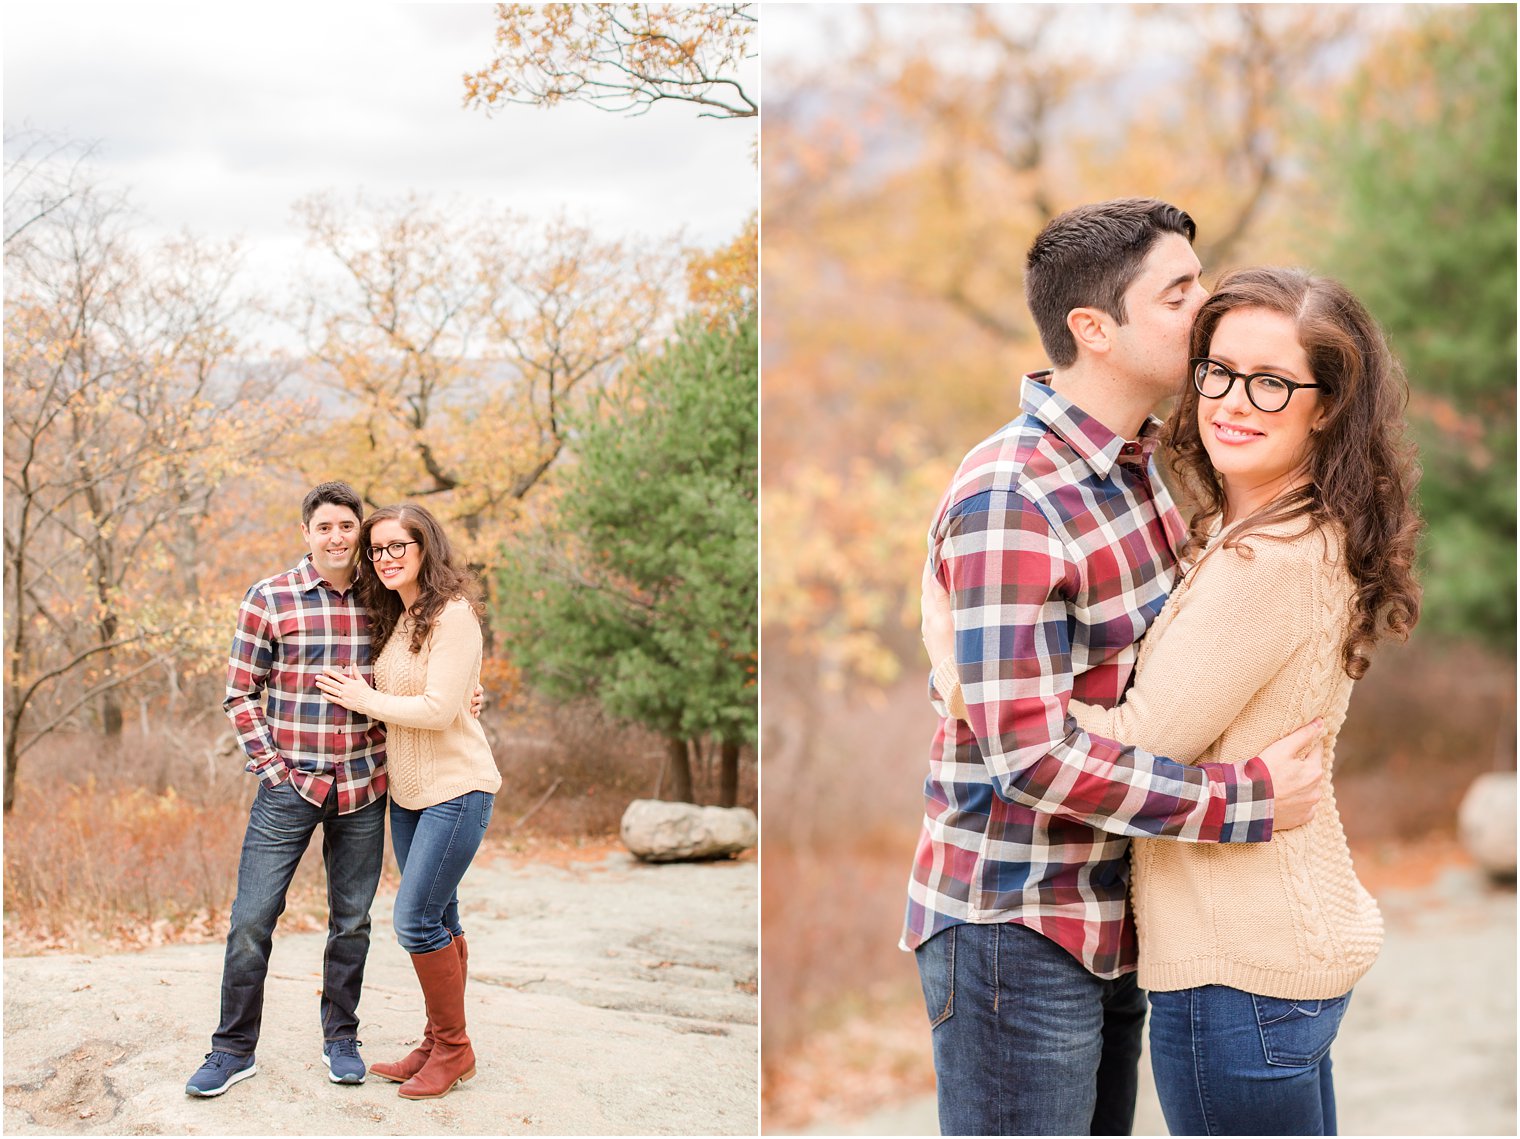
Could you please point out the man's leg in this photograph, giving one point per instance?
(1017, 1030)
(352, 848)
(1119, 1071)
(280, 824)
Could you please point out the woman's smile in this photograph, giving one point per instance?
(1235, 433)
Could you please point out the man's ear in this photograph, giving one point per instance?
(1089, 327)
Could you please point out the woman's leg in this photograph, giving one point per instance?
(1230, 1063)
(1327, 1093)
(403, 829)
(442, 847)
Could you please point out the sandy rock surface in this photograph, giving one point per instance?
(610, 997)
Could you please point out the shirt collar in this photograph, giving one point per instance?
(308, 578)
(1094, 443)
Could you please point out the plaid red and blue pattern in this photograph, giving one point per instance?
(289, 628)
(1058, 543)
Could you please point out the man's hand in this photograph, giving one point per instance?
(1297, 764)
(477, 701)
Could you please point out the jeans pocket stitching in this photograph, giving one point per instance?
(949, 1010)
(1281, 1054)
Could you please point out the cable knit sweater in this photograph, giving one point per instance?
(435, 750)
(1247, 649)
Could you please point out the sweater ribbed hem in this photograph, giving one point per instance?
(442, 794)
(1306, 984)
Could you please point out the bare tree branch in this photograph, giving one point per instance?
(623, 58)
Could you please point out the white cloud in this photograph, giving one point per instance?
(219, 116)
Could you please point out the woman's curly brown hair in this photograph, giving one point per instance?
(1362, 471)
(440, 579)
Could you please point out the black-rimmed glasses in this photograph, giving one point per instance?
(394, 550)
(1267, 392)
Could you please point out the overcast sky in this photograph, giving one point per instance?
(219, 116)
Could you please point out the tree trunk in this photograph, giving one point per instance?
(110, 713)
(12, 744)
(110, 699)
(680, 769)
(728, 778)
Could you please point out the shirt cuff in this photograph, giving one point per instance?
(271, 772)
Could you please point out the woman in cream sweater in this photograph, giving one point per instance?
(425, 631)
(1290, 441)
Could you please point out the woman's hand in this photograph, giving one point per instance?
(346, 688)
(936, 624)
(937, 627)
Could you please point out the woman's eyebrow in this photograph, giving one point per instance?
(1276, 369)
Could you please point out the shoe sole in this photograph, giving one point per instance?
(470, 1075)
(333, 1078)
(251, 1070)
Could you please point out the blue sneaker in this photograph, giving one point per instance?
(220, 1071)
(342, 1059)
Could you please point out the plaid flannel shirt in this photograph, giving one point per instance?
(1058, 543)
(289, 628)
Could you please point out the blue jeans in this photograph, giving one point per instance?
(1026, 1040)
(434, 847)
(1231, 1063)
(280, 826)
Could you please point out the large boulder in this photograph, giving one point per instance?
(1486, 822)
(657, 831)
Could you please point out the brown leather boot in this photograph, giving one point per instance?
(410, 1064)
(441, 974)
(407, 1067)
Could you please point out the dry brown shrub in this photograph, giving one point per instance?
(135, 841)
(600, 766)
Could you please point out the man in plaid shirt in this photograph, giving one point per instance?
(1058, 544)
(318, 765)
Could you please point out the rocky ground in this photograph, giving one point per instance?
(609, 997)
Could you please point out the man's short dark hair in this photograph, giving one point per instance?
(1087, 258)
(337, 493)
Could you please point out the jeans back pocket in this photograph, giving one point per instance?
(1296, 1034)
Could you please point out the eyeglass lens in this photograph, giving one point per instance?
(1267, 392)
